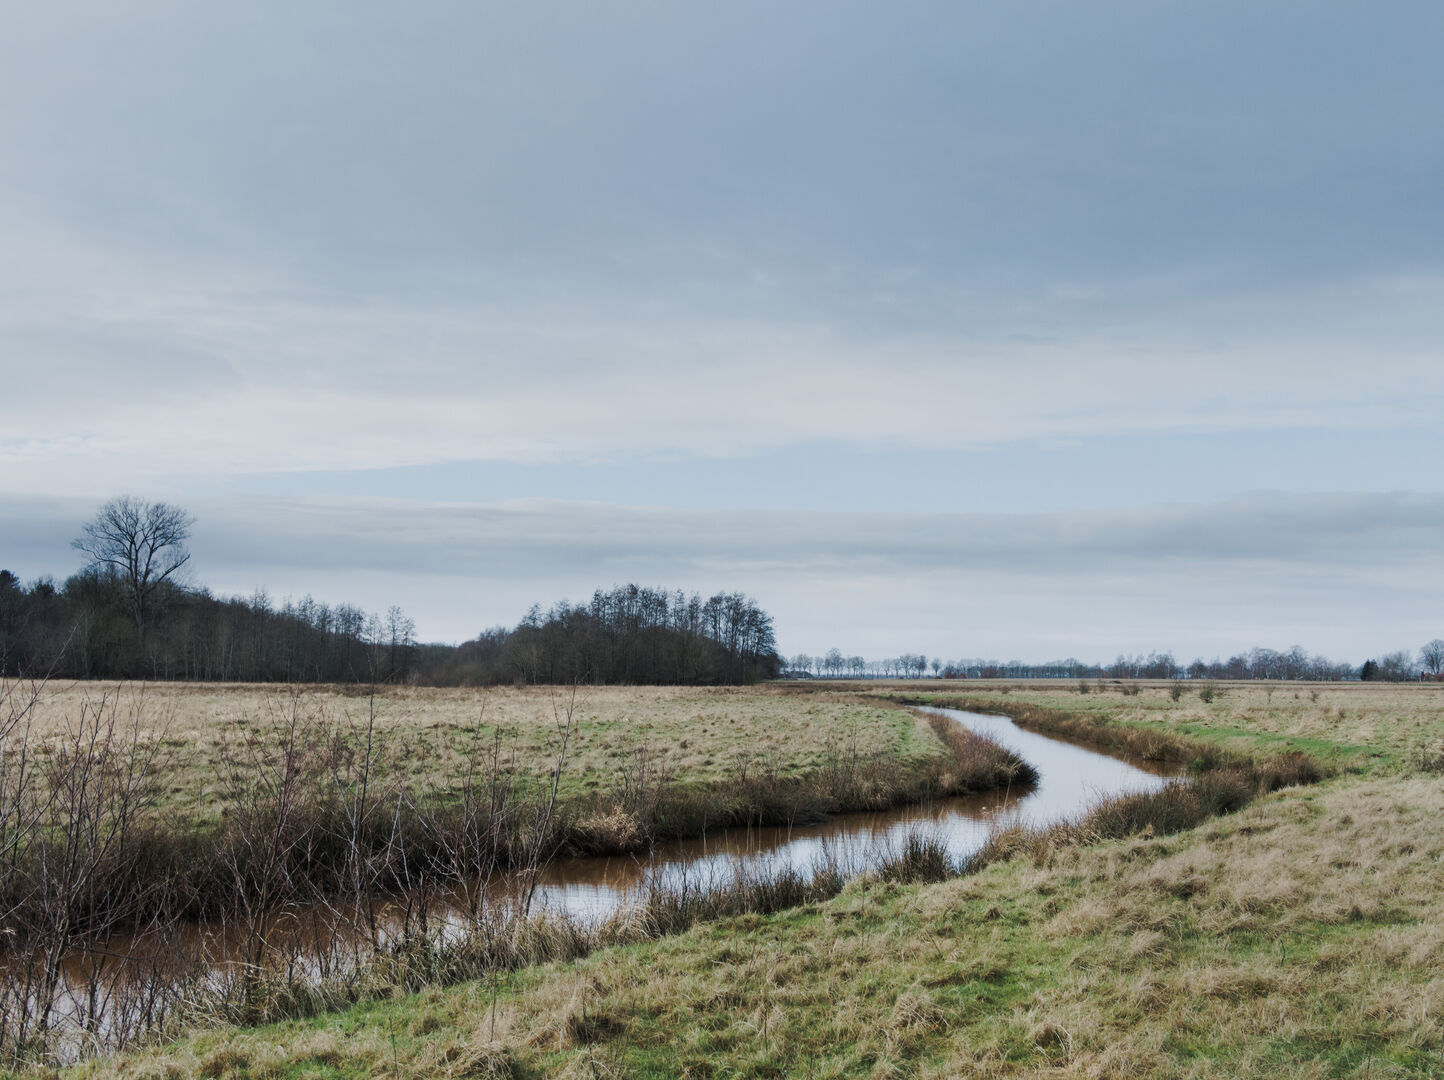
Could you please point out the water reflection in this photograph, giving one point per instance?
(1072, 778)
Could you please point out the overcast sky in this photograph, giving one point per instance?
(1005, 329)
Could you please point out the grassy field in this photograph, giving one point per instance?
(1349, 725)
(1302, 936)
(700, 735)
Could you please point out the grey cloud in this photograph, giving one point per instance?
(207, 376)
(61, 367)
(542, 538)
(1341, 573)
(365, 235)
(965, 140)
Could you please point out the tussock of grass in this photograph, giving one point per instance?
(673, 909)
(922, 858)
(1430, 757)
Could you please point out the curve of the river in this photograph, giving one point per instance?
(587, 890)
(1072, 778)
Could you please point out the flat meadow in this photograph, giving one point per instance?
(1349, 725)
(1301, 935)
(698, 735)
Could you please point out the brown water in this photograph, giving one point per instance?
(588, 890)
(1072, 778)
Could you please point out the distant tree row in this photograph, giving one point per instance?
(1258, 663)
(1402, 666)
(127, 614)
(631, 634)
(834, 665)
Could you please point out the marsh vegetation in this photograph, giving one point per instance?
(303, 857)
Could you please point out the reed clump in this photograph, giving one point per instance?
(673, 907)
(922, 859)
(982, 763)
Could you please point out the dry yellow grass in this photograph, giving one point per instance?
(1301, 937)
(696, 734)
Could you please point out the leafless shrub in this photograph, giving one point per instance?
(72, 810)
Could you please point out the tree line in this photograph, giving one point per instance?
(84, 629)
(833, 664)
(129, 615)
(81, 629)
(630, 634)
(1256, 663)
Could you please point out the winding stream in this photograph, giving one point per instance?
(1073, 777)
(588, 890)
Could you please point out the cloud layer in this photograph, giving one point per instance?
(1349, 574)
(727, 262)
(360, 237)
(156, 382)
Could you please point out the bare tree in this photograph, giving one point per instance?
(1431, 656)
(1396, 666)
(142, 544)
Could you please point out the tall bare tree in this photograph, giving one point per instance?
(142, 544)
(1431, 656)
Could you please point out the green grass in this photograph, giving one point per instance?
(1271, 742)
(1381, 726)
